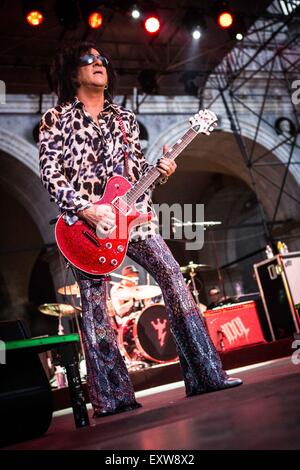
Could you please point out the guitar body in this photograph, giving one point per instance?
(99, 255)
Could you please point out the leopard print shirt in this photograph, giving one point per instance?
(77, 157)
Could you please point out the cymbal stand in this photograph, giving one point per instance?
(219, 271)
(61, 330)
(195, 292)
(79, 332)
(59, 372)
(76, 319)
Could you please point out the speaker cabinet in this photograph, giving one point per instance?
(25, 394)
(278, 282)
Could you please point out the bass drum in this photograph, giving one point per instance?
(147, 336)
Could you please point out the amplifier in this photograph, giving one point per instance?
(278, 282)
(234, 326)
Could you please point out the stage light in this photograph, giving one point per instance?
(225, 19)
(239, 36)
(135, 13)
(33, 11)
(91, 13)
(152, 24)
(34, 18)
(196, 33)
(194, 21)
(95, 20)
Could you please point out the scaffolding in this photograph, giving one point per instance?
(266, 63)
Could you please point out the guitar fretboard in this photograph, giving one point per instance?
(153, 174)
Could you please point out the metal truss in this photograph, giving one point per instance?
(265, 63)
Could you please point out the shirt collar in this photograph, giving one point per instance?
(108, 105)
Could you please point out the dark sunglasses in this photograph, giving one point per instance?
(88, 59)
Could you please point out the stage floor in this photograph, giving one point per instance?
(264, 413)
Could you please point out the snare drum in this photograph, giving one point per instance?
(147, 336)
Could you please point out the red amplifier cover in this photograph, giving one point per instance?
(234, 326)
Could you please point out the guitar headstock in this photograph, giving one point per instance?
(204, 121)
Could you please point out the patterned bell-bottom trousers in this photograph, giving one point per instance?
(108, 381)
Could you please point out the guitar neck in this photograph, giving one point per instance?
(153, 174)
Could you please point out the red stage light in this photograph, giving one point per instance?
(152, 25)
(34, 18)
(95, 20)
(225, 19)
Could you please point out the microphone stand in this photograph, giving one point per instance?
(220, 274)
(192, 274)
(178, 223)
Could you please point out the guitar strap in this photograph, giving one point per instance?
(126, 165)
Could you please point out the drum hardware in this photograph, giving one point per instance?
(138, 292)
(192, 269)
(82, 368)
(60, 311)
(134, 366)
(72, 289)
(60, 377)
(120, 276)
(195, 268)
(218, 268)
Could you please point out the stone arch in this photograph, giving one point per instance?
(20, 177)
(220, 153)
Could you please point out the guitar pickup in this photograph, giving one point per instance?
(91, 237)
(121, 205)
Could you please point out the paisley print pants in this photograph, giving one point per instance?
(109, 384)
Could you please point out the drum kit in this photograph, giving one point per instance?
(144, 335)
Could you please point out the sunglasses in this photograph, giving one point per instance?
(88, 59)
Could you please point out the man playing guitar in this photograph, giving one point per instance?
(84, 141)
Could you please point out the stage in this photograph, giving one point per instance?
(201, 96)
(261, 414)
(165, 374)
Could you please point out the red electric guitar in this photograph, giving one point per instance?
(99, 253)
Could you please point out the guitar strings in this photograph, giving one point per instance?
(135, 192)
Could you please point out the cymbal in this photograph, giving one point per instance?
(195, 267)
(138, 292)
(72, 289)
(57, 310)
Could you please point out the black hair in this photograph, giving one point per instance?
(64, 72)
